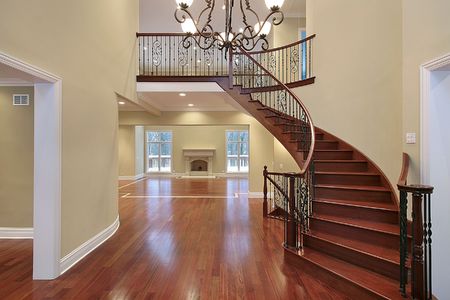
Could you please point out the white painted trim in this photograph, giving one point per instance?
(87, 247)
(135, 177)
(47, 168)
(255, 195)
(27, 68)
(16, 233)
(14, 84)
(425, 75)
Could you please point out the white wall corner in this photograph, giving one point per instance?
(87, 247)
(16, 233)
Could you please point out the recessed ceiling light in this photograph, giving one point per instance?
(182, 94)
(121, 103)
(190, 104)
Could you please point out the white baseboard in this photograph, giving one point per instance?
(136, 177)
(16, 233)
(255, 195)
(87, 247)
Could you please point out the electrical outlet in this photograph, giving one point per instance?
(281, 166)
(411, 138)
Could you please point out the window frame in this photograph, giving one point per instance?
(160, 157)
(239, 155)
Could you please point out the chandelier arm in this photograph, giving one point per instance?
(210, 4)
(187, 42)
(248, 7)
(182, 18)
(275, 21)
(244, 15)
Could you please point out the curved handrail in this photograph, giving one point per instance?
(308, 160)
(402, 180)
(285, 46)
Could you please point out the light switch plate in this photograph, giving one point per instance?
(411, 138)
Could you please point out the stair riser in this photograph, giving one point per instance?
(346, 211)
(341, 166)
(327, 145)
(354, 291)
(346, 194)
(355, 233)
(372, 180)
(330, 155)
(361, 259)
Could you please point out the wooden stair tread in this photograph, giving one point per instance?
(339, 161)
(354, 187)
(379, 251)
(387, 228)
(333, 150)
(377, 283)
(346, 173)
(362, 204)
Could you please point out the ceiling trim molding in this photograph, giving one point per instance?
(27, 68)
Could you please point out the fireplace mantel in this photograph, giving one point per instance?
(198, 153)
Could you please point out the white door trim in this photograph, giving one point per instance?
(47, 168)
(425, 75)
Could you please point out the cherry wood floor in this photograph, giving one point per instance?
(178, 239)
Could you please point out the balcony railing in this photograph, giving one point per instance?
(163, 54)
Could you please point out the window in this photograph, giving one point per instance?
(237, 151)
(303, 54)
(159, 151)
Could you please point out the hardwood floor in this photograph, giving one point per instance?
(178, 239)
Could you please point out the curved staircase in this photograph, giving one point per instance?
(352, 242)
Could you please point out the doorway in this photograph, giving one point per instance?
(435, 162)
(47, 162)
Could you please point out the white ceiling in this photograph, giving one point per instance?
(202, 101)
(205, 96)
(158, 15)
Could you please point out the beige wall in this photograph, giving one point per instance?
(358, 61)
(16, 159)
(261, 141)
(287, 32)
(127, 150)
(91, 46)
(426, 36)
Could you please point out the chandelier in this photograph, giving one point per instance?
(201, 32)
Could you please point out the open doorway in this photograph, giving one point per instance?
(435, 161)
(46, 162)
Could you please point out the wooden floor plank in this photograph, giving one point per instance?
(204, 247)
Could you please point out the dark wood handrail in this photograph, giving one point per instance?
(402, 180)
(284, 47)
(277, 186)
(138, 34)
(307, 162)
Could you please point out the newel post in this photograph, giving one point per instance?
(292, 225)
(421, 287)
(265, 192)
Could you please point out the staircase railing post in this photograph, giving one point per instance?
(292, 224)
(230, 67)
(417, 252)
(265, 192)
(421, 240)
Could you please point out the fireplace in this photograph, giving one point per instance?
(198, 162)
(199, 165)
